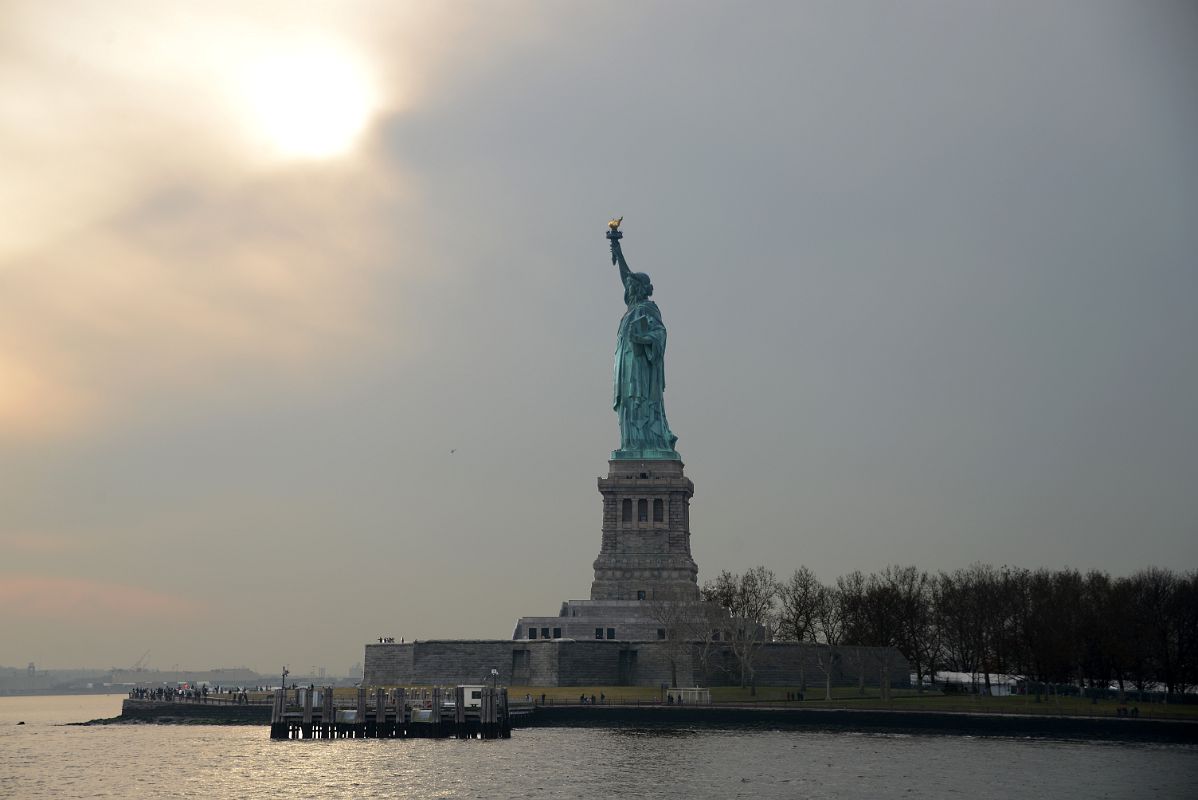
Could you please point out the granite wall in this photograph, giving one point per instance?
(569, 662)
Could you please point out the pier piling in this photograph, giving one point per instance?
(315, 714)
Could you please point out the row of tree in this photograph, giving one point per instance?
(1049, 626)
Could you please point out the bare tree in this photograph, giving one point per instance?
(910, 590)
(722, 590)
(953, 596)
(872, 625)
(801, 598)
(705, 629)
(673, 614)
(830, 626)
(1160, 591)
(851, 593)
(1051, 626)
(883, 616)
(750, 601)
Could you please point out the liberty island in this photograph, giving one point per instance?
(644, 623)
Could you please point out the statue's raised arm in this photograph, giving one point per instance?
(617, 254)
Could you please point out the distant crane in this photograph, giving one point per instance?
(139, 665)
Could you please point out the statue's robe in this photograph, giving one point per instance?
(639, 380)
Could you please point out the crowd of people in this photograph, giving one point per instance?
(200, 694)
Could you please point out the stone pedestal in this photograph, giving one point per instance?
(646, 549)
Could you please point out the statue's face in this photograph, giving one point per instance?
(638, 287)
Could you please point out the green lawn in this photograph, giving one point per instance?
(848, 697)
(570, 694)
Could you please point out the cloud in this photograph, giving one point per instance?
(32, 402)
(153, 241)
(270, 273)
(65, 599)
(39, 543)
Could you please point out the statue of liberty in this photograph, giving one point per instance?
(639, 375)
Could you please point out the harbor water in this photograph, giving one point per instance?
(46, 758)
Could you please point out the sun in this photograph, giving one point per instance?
(311, 104)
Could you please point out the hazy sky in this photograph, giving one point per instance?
(929, 272)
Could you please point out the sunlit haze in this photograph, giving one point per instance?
(309, 104)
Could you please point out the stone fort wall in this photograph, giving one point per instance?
(569, 662)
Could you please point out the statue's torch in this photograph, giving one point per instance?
(614, 236)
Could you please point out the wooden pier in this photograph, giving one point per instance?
(462, 712)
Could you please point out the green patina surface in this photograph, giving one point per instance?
(638, 374)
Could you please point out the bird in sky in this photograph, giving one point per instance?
(454, 450)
